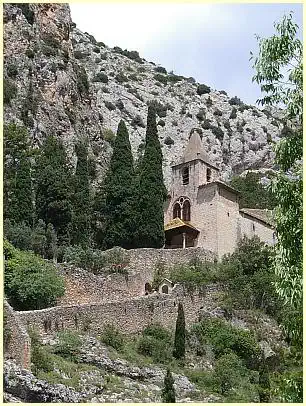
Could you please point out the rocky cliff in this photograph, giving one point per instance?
(59, 80)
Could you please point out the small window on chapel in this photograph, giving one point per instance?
(208, 175)
(185, 175)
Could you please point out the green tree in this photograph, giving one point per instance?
(81, 219)
(168, 392)
(283, 52)
(38, 238)
(119, 194)
(253, 193)
(180, 333)
(51, 242)
(18, 201)
(264, 382)
(151, 190)
(53, 188)
(279, 72)
(30, 282)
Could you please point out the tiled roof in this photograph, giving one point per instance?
(264, 215)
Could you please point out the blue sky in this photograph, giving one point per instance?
(211, 42)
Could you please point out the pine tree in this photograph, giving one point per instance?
(51, 242)
(168, 392)
(179, 340)
(53, 188)
(81, 220)
(151, 190)
(119, 194)
(38, 238)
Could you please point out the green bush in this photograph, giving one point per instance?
(160, 109)
(18, 234)
(209, 102)
(12, 70)
(218, 132)
(30, 282)
(161, 78)
(30, 53)
(82, 79)
(159, 350)
(137, 122)
(160, 69)
(195, 274)
(69, 344)
(168, 141)
(111, 336)
(233, 113)
(100, 77)
(161, 123)
(9, 91)
(109, 135)
(203, 89)
(47, 50)
(41, 359)
(218, 112)
(157, 331)
(121, 78)
(110, 105)
(235, 101)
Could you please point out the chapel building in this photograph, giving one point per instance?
(203, 211)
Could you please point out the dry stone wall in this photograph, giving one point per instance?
(18, 344)
(85, 287)
(128, 316)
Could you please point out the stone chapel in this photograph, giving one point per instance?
(203, 211)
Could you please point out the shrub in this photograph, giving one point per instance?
(235, 101)
(68, 345)
(233, 113)
(157, 331)
(161, 123)
(161, 78)
(121, 78)
(206, 124)
(31, 283)
(269, 138)
(137, 122)
(100, 77)
(12, 70)
(200, 115)
(217, 132)
(27, 12)
(160, 69)
(110, 105)
(9, 91)
(111, 336)
(168, 392)
(203, 89)
(41, 359)
(109, 135)
(51, 41)
(159, 350)
(209, 102)
(227, 125)
(119, 104)
(105, 89)
(101, 44)
(30, 53)
(223, 92)
(217, 112)
(174, 78)
(133, 76)
(82, 79)
(168, 140)
(47, 50)
(97, 50)
(160, 109)
(243, 107)
(18, 234)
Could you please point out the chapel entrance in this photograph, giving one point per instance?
(180, 234)
(165, 289)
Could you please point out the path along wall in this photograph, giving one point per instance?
(85, 287)
(128, 316)
(17, 343)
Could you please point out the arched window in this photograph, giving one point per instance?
(177, 210)
(185, 174)
(186, 211)
(208, 175)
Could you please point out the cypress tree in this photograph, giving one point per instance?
(53, 188)
(39, 239)
(264, 382)
(119, 193)
(81, 219)
(151, 190)
(18, 201)
(179, 340)
(51, 242)
(168, 392)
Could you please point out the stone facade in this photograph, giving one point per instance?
(18, 345)
(207, 205)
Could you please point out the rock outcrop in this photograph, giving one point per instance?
(61, 81)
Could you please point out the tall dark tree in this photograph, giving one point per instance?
(81, 219)
(51, 243)
(18, 201)
(264, 386)
(53, 188)
(180, 333)
(168, 392)
(151, 190)
(119, 194)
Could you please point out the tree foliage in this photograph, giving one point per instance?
(168, 392)
(279, 72)
(180, 334)
(119, 194)
(29, 282)
(151, 189)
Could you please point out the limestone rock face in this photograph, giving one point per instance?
(70, 85)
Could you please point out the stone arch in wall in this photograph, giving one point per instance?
(182, 208)
(165, 289)
(148, 288)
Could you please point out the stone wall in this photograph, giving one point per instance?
(84, 287)
(128, 316)
(18, 345)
